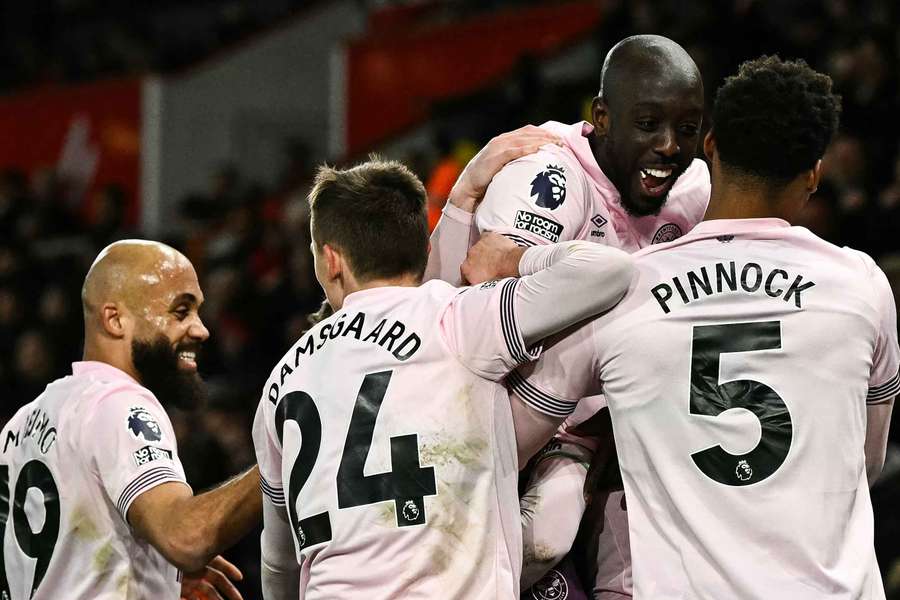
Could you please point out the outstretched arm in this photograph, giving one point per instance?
(560, 285)
(190, 530)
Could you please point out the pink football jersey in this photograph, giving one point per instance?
(73, 461)
(737, 370)
(387, 432)
(559, 193)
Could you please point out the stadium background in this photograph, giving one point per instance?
(201, 124)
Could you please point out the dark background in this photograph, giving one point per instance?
(250, 242)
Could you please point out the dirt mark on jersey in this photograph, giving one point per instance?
(102, 556)
(83, 527)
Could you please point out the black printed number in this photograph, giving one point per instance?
(711, 398)
(405, 484)
(300, 408)
(37, 545)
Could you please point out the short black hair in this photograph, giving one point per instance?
(375, 214)
(775, 118)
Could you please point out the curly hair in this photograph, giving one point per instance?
(775, 118)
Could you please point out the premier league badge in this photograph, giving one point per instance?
(142, 425)
(550, 187)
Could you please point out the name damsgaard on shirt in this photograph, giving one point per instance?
(397, 339)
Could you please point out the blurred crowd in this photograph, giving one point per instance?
(80, 40)
(251, 245)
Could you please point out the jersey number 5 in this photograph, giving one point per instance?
(711, 398)
(406, 484)
(40, 545)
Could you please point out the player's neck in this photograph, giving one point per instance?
(736, 198)
(598, 149)
(408, 280)
(99, 353)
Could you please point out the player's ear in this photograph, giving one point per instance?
(600, 116)
(114, 320)
(813, 176)
(333, 260)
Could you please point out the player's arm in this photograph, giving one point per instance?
(451, 237)
(190, 530)
(279, 570)
(560, 285)
(495, 327)
(130, 445)
(551, 509)
(878, 422)
(884, 379)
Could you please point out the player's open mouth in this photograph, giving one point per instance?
(187, 360)
(657, 182)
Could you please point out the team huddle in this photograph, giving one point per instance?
(612, 371)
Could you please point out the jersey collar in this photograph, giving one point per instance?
(737, 226)
(93, 366)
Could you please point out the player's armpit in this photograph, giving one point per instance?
(189, 530)
(878, 421)
(279, 571)
(533, 428)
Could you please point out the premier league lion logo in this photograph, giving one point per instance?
(142, 425)
(743, 470)
(410, 511)
(550, 187)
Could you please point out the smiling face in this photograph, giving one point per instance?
(169, 332)
(170, 309)
(647, 131)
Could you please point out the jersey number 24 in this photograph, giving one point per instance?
(406, 484)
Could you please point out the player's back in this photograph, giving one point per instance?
(62, 536)
(770, 501)
(398, 460)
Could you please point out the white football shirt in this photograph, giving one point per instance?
(389, 435)
(72, 462)
(737, 370)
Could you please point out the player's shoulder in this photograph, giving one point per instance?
(439, 289)
(856, 262)
(109, 392)
(550, 160)
(869, 269)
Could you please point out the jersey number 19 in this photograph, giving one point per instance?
(38, 545)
